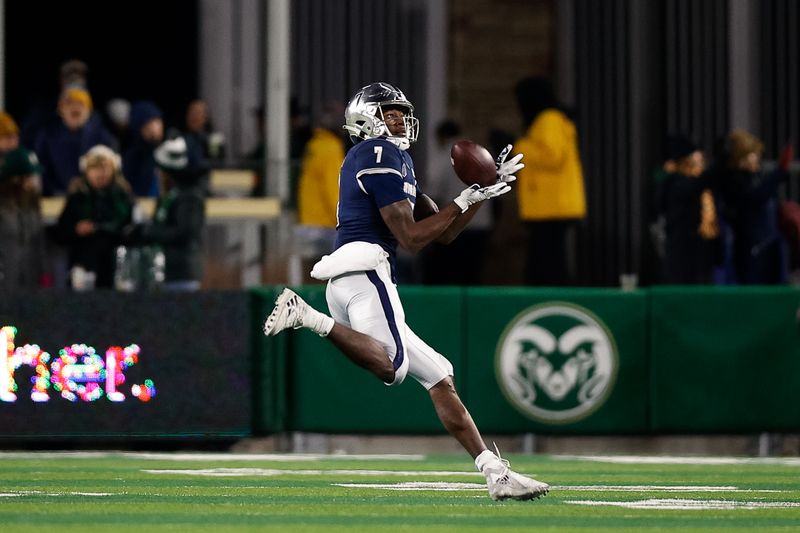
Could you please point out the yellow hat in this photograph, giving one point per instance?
(79, 95)
(7, 125)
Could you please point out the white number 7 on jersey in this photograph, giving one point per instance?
(379, 151)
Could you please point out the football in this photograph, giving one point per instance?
(424, 207)
(473, 163)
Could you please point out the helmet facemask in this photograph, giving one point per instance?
(364, 116)
(410, 126)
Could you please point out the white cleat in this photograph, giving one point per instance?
(288, 313)
(506, 484)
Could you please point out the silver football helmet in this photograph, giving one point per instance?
(364, 114)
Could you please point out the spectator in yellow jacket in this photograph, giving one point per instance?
(550, 195)
(318, 191)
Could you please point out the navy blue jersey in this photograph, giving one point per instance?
(374, 174)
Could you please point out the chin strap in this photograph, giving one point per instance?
(401, 142)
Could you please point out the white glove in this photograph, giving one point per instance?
(507, 169)
(476, 193)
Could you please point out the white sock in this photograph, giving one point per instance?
(485, 458)
(319, 323)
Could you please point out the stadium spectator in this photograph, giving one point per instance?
(378, 191)
(98, 207)
(147, 131)
(61, 144)
(299, 128)
(299, 134)
(179, 219)
(22, 254)
(550, 194)
(9, 134)
(460, 262)
(751, 196)
(118, 111)
(692, 246)
(71, 74)
(207, 145)
(318, 188)
(200, 135)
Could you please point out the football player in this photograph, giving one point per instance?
(377, 194)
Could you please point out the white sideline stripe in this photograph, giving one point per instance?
(670, 460)
(164, 456)
(277, 472)
(687, 505)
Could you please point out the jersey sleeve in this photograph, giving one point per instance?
(380, 172)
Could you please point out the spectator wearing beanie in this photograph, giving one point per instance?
(179, 218)
(61, 144)
(146, 132)
(9, 134)
(22, 255)
(97, 209)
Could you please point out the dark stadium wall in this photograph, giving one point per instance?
(134, 50)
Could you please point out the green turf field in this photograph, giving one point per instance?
(142, 492)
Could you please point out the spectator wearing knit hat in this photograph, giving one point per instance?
(72, 74)
(147, 131)
(22, 255)
(9, 134)
(179, 219)
(97, 209)
(61, 144)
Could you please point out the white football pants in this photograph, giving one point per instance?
(368, 303)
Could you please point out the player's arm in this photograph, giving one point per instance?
(458, 225)
(414, 236)
(425, 207)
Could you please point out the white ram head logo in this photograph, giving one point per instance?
(556, 377)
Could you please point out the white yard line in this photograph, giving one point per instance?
(687, 505)
(659, 488)
(267, 472)
(450, 486)
(671, 460)
(49, 493)
(166, 456)
(415, 485)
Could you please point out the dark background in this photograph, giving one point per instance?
(135, 50)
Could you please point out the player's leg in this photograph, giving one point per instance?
(435, 373)
(367, 305)
(502, 482)
(455, 417)
(363, 326)
(362, 350)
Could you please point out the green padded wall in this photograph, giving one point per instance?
(489, 313)
(725, 359)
